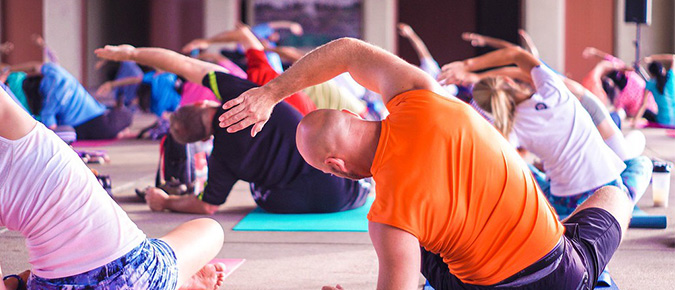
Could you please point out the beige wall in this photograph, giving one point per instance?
(380, 23)
(219, 16)
(659, 37)
(63, 34)
(545, 22)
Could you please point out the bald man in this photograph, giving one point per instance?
(453, 198)
(280, 180)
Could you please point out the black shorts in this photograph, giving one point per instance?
(313, 192)
(591, 238)
(105, 126)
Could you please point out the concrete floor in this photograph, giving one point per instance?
(309, 260)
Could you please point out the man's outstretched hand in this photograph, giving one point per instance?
(115, 52)
(253, 107)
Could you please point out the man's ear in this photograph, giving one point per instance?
(336, 164)
(351, 113)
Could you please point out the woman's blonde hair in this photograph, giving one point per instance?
(496, 96)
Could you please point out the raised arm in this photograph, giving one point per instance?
(592, 52)
(372, 67)
(505, 56)
(294, 27)
(16, 122)
(420, 48)
(191, 69)
(479, 40)
(108, 86)
(241, 35)
(666, 59)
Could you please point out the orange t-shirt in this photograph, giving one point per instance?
(446, 176)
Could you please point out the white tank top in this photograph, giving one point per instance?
(48, 194)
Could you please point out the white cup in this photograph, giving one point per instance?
(661, 184)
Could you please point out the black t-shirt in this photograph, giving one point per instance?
(270, 160)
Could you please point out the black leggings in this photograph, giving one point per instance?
(105, 126)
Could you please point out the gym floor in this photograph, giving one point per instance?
(309, 260)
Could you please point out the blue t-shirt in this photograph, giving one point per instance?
(15, 83)
(127, 69)
(65, 101)
(164, 96)
(665, 101)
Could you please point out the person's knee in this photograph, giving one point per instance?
(615, 201)
(213, 229)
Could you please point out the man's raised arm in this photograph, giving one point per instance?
(191, 69)
(373, 67)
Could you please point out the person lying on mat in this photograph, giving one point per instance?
(662, 86)
(452, 197)
(280, 180)
(75, 233)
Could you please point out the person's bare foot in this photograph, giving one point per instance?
(210, 277)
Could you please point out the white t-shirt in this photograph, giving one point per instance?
(553, 125)
(48, 194)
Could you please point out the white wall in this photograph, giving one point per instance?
(659, 37)
(63, 34)
(545, 22)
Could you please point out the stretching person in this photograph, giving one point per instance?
(629, 84)
(452, 197)
(77, 236)
(59, 99)
(662, 87)
(553, 124)
(280, 180)
(259, 70)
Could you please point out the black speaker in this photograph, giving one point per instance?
(639, 11)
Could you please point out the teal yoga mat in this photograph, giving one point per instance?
(347, 221)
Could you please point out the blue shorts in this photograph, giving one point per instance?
(591, 237)
(151, 265)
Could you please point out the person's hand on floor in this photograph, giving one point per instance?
(253, 107)
(115, 52)
(156, 198)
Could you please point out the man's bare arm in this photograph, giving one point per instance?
(398, 253)
(191, 69)
(158, 200)
(372, 67)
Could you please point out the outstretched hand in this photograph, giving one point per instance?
(195, 44)
(115, 52)
(405, 30)
(253, 107)
(456, 73)
(104, 89)
(475, 39)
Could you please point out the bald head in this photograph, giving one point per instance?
(338, 142)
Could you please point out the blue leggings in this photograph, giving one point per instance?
(634, 181)
(151, 265)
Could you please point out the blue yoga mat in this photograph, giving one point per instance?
(347, 221)
(643, 220)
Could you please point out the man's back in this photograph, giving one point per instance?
(447, 177)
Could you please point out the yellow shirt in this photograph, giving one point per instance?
(446, 176)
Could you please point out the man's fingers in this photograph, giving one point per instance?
(230, 118)
(233, 102)
(257, 128)
(239, 126)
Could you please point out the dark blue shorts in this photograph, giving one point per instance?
(591, 238)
